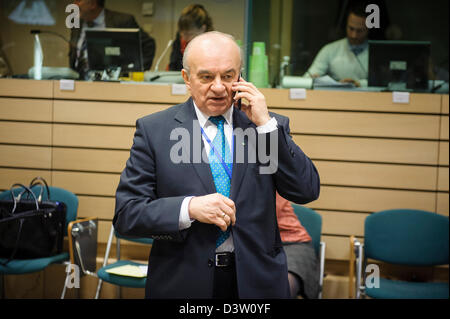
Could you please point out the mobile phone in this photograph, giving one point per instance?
(239, 103)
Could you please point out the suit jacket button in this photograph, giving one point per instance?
(210, 262)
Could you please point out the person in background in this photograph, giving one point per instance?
(194, 20)
(93, 14)
(303, 266)
(346, 60)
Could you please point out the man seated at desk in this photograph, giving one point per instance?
(93, 14)
(346, 60)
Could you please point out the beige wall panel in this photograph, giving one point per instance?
(150, 93)
(89, 159)
(337, 248)
(8, 176)
(443, 178)
(25, 156)
(28, 88)
(25, 133)
(362, 101)
(444, 104)
(104, 228)
(342, 223)
(372, 200)
(103, 112)
(100, 207)
(93, 136)
(26, 109)
(444, 128)
(442, 204)
(443, 153)
(377, 175)
(368, 149)
(87, 183)
(363, 124)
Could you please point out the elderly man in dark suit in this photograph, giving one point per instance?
(207, 199)
(94, 14)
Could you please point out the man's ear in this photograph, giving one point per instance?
(185, 76)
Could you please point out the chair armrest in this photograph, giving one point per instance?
(351, 268)
(75, 229)
(322, 266)
(355, 261)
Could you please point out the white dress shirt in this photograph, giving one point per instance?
(337, 60)
(210, 130)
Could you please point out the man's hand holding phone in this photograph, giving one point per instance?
(256, 109)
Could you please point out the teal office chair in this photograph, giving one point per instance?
(119, 280)
(24, 266)
(312, 222)
(403, 237)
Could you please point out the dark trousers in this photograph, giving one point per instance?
(225, 282)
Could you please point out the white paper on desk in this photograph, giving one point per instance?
(328, 81)
(128, 271)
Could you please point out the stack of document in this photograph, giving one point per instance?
(129, 271)
(328, 81)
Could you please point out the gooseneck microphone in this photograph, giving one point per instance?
(37, 31)
(163, 54)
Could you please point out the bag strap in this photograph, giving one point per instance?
(17, 200)
(40, 181)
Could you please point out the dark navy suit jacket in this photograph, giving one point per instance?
(152, 188)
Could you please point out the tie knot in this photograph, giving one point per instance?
(90, 24)
(217, 120)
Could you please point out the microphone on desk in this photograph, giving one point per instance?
(37, 31)
(163, 54)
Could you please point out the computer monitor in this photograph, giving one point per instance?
(114, 47)
(399, 65)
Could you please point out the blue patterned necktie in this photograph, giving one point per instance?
(219, 152)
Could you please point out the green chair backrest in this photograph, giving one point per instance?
(312, 222)
(407, 237)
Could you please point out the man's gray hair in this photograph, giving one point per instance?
(188, 48)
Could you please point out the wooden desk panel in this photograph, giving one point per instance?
(111, 113)
(363, 124)
(412, 177)
(25, 156)
(369, 149)
(26, 88)
(26, 109)
(354, 101)
(25, 133)
(372, 200)
(112, 137)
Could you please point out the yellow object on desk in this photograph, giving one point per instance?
(129, 271)
(137, 76)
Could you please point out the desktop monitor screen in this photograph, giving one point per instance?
(114, 47)
(399, 65)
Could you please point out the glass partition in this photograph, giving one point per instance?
(157, 19)
(315, 43)
(299, 43)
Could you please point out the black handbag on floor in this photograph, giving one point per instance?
(31, 227)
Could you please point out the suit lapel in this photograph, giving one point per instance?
(186, 116)
(240, 121)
